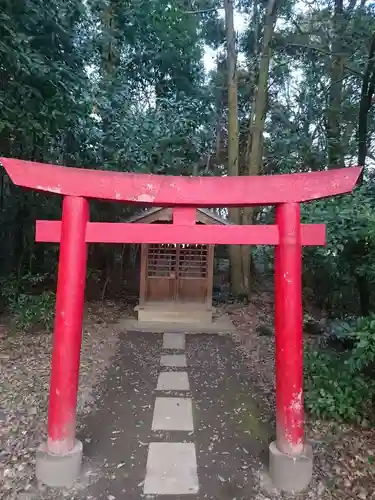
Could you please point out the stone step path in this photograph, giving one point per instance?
(172, 466)
(175, 419)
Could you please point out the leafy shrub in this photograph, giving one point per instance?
(363, 354)
(33, 310)
(339, 334)
(336, 272)
(340, 329)
(340, 385)
(334, 392)
(28, 309)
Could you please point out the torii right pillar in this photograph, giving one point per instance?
(291, 459)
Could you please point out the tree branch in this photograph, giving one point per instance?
(325, 52)
(203, 11)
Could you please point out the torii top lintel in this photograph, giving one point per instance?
(161, 190)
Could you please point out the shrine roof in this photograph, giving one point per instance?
(160, 214)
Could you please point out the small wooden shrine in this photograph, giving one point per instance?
(176, 279)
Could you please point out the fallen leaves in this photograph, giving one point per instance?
(24, 382)
(344, 466)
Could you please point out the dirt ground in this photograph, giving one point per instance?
(343, 454)
(24, 384)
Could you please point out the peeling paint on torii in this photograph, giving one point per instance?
(75, 231)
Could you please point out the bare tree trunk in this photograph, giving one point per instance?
(367, 95)
(232, 90)
(333, 115)
(219, 113)
(254, 147)
(256, 129)
(237, 284)
(110, 63)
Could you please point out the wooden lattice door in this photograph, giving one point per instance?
(177, 273)
(161, 273)
(192, 273)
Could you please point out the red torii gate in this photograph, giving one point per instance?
(59, 460)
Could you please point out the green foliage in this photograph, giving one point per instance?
(170, 138)
(341, 385)
(335, 271)
(334, 392)
(99, 82)
(28, 310)
(42, 74)
(363, 354)
(33, 311)
(340, 329)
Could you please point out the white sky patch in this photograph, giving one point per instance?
(240, 23)
(209, 59)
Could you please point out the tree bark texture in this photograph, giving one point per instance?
(236, 272)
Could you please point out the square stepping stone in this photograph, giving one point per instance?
(177, 360)
(174, 341)
(173, 381)
(171, 469)
(173, 414)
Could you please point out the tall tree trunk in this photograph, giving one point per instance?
(367, 95)
(219, 113)
(254, 150)
(110, 62)
(237, 284)
(333, 115)
(254, 147)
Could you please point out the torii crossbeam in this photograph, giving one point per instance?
(59, 460)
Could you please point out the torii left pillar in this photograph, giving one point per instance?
(58, 461)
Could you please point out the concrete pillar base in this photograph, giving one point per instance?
(58, 471)
(288, 473)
